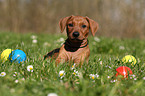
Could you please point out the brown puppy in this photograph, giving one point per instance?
(76, 48)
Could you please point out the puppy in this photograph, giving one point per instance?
(76, 48)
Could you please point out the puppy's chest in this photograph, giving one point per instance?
(74, 54)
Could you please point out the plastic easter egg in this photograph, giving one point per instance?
(17, 56)
(123, 71)
(129, 59)
(5, 54)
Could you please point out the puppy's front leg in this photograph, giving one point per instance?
(79, 60)
(62, 58)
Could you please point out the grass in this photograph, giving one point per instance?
(106, 55)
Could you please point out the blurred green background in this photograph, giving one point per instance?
(116, 18)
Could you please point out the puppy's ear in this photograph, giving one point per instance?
(62, 23)
(93, 25)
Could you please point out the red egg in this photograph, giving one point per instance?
(123, 70)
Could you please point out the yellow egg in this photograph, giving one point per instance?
(129, 59)
(5, 54)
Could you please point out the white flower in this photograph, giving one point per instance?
(93, 76)
(61, 74)
(108, 66)
(73, 66)
(3, 74)
(52, 94)
(135, 78)
(16, 81)
(97, 75)
(113, 81)
(143, 78)
(97, 39)
(76, 73)
(132, 76)
(15, 74)
(121, 47)
(101, 62)
(34, 41)
(108, 76)
(23, 79)
(46, 44)
(30, 68)
(60, 40)
(33, 37)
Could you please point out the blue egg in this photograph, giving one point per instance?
(17, 56)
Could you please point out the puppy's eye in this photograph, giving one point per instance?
(84, 26)
(70, 25)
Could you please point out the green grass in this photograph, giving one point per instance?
(45, 76)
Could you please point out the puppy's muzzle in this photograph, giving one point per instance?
(76, 34)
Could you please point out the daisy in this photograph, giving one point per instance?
(15, 74)
(76, 73)
(121, 47)
(132, 76)
(73, 66)
(30, 68)
(2, 74)
(97, 39)
(16, 81)
(34, 41)
(92, 76)
(61, 74)
(112, 81)
(52, 94)
(101, 62)
(60, 40)
(33, 37)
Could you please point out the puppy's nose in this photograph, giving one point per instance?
(76, 34)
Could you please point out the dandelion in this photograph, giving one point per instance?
(3, 74)
(34, 41)
(30, 68)
(52, 94)
(61, 74)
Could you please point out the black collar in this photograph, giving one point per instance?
(70, 45)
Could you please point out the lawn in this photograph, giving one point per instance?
(44, 78)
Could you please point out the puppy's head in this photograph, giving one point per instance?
(77, 27)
